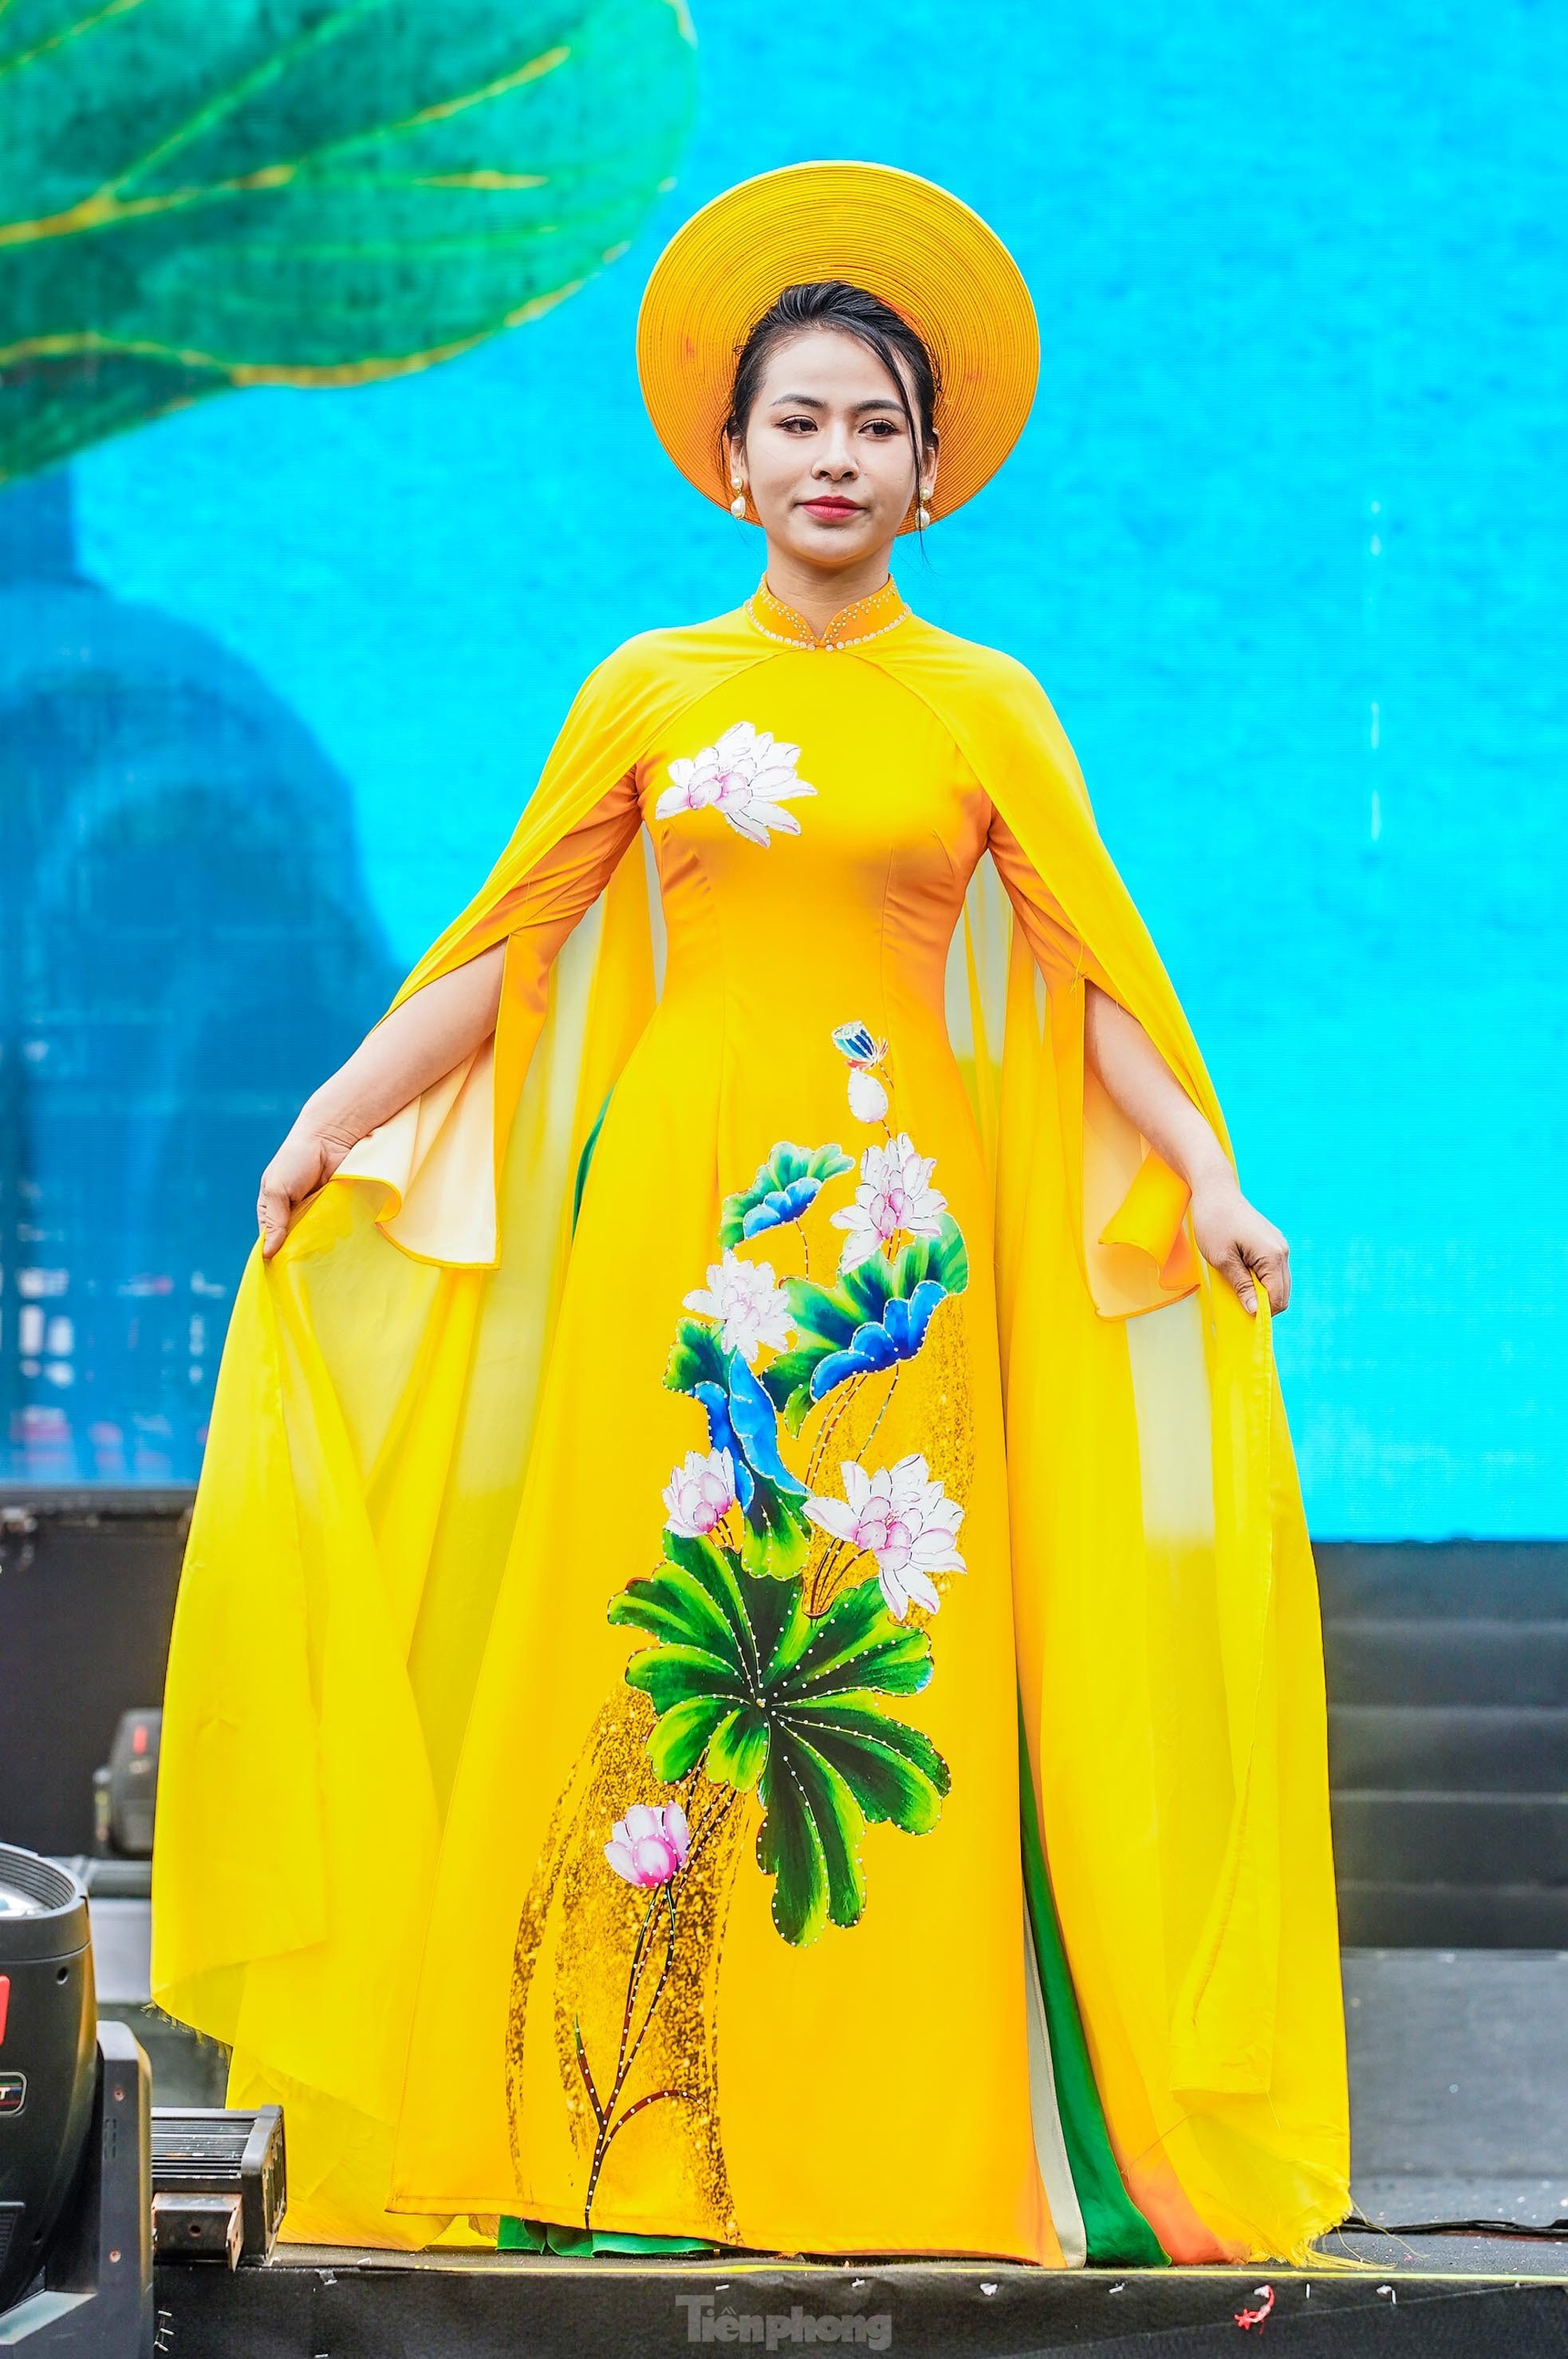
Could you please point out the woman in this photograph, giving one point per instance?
(748, 1669)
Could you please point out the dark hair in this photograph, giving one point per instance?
(834, 303)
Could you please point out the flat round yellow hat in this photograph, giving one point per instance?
(900, 237)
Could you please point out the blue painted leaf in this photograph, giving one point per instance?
(755, 1423)
(897, 1335)
(722, 1435)
(785, 1185)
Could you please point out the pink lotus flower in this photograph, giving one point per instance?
(650, 1845)
(894, 1196)
(700, 1494)
(746, 776)
(902, 1518)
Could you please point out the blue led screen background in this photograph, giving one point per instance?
(1283, 540)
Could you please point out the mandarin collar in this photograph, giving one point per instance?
(866, 618)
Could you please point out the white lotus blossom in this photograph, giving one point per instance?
(868, 1099)
(701, 1492)
(747, 776)
(895, 1194)
(902, 1518)
(751, 1310)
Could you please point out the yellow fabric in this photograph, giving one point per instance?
(390, 1650)
(914, 244)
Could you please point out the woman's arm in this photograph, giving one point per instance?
(1232, 1234)
(408, 1050)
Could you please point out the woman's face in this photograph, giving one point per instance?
(826, 455)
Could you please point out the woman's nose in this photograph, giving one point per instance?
(835, 455)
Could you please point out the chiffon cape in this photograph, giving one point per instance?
(370, 1437)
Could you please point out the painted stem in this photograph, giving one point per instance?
(830, 1427)
(587, 2075)
(626, 2058)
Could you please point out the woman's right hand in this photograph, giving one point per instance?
(305, 1162)
(427, 1036)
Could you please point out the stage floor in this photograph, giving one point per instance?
(1459, 2294)
(1459, 2094)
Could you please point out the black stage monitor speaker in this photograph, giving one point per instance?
(47, 2055)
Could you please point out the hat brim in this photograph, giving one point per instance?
(900, 237)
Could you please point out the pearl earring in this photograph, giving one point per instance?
(738, 507)
(923, 516)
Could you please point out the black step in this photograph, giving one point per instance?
(1514, 1581)
(1473, 1839)
(1451, 1917)
(1465, 1748)
(1447, 1662)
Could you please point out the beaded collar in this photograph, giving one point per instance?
(867, 618)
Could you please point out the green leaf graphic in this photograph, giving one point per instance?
(745, 1682)
(196, 195)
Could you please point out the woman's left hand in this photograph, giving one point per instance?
(1235, 1239)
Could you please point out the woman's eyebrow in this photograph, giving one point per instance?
(813, 401)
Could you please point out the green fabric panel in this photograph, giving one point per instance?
(1117, 2233)
(586, 1158)
(580, 2243)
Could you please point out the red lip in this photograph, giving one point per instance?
(832, 507)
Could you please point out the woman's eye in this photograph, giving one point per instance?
(882, 428)
(789, 424)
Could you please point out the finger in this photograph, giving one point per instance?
(1269, 1270)
(1233, 1268)
(272, 1216)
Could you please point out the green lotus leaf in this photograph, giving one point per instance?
(809, 1842)
(775, 1538)
(683, 1734)
(893, 1771)
(198, 195)
(785, 1186)
(744, 1681)
(738, 1750)
(695, 1358)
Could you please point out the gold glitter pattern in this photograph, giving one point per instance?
(576, 1941)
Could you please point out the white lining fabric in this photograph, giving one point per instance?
(1050, 2145)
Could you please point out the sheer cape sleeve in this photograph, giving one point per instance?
(369, 1441)
(1169, 1647)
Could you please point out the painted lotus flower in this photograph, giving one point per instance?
(750, 1309)
(894, 1197)
(902, 1518)
(747, 776)
(701, 1492)
(649, 1844)
(868, 1095)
